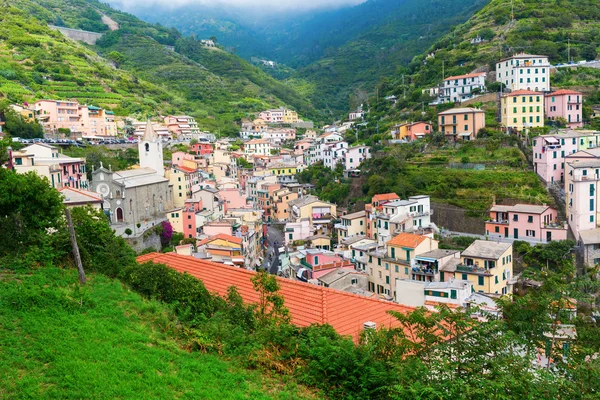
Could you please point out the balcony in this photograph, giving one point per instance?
(473, 269)
(304, 263)
(498, 221)
(321, 217)
(423, 270)
(341, 226)
(582, 178)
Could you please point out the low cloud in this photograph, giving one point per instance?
(266, 6)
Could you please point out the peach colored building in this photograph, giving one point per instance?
(281, 197)
(85, 121)
(567, 104)
(411, 130)
(461, 123)
(533, 223)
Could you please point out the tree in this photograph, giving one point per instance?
(16, 126)
(270, 308)
(116, 57)
(128, 232)
(486, 34)
(30, 211)
(589, 52)
(213, 38)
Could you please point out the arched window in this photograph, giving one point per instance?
(147, 146)
(118, 193)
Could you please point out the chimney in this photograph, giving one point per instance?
(369, 326)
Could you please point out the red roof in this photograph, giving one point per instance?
(407, 240)
(308, 304)
(521, 93)
(186, 169)
(564, 91)
(221, 236)
(385, 197)
(464, 76)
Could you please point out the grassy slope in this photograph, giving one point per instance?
(103, 341)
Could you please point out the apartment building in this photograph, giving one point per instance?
(395, 261)
(524, 72)
(487, 265)
(318, 212)
(522, 110)
(533, 223)
(183, 179)
(182, 125)
(565, 104)
(461, 123)
(456, 89)
(260, 147)
(376, 205)
(46, 161)
(334, 154)
(81, 120)
(397, 216)
(350, 225)
(411, 131)
(355, 156)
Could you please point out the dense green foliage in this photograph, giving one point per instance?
(16, 126)
(329, 184)
(72, 326)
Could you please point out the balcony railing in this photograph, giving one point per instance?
(498, 221)
(321, 217)
(472, 269)
(341, 226)
(306, 264)
(579, 178)
(423, 270)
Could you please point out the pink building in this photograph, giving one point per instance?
(181, 125)
(529, 222)
(190, 224)
(218, 228)
(233, 198)
(320, 262)
(355, 156)
(178, 158)
(567, 104)
(549, 152)
(202, 148)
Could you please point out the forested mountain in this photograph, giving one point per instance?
(335, 52)
(138, 69)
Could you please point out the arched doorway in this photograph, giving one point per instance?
(119, 214)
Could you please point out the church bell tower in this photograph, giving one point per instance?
(151, 152)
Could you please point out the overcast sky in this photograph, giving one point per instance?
(267, 5)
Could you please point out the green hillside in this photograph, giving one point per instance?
(346, 73)
(144, 77)
(59, 340)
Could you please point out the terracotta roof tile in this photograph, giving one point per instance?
(564, 91)
(385, 197)
(185, 169)
(308, 304)
(521, 93)
(407, 240)
(465, 76)
(222, 236)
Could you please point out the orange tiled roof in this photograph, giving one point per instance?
(407, 240)
(308, 304)
(385, 197)
(521, 93)
(564, 91)
(222, 236)
(186, 169)
(465, 76)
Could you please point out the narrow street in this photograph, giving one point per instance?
(271, 262)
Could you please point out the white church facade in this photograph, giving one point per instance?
(136, 196)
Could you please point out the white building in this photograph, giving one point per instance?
(412, 215)
(524, 72)
(259, 147)
(334, 154)
(429, 294)
(299, 230)
(460, 88)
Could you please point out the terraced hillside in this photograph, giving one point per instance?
(139, 69)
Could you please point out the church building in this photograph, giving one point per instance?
(136, 196)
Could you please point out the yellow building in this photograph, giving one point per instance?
(318, 212)
(289, 116)
(395, 261)
(487, 265)
(522, 110)
(284, 170)
(351, 225)
(182, 179)
(175, 217)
